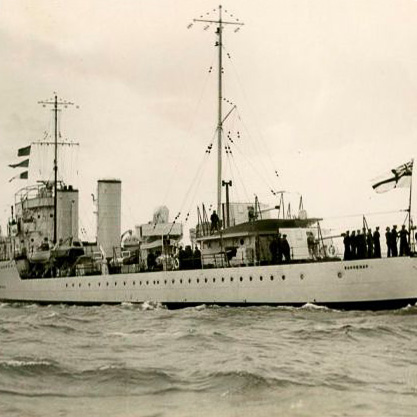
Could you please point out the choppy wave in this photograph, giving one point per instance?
(264, 356)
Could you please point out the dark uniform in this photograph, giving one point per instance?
(361, 245)
(377, 244)
(273, 249)
(404, 247)
(370, 244)
(285, 246)
(214, 221)
(388, 240)
(394, 238)
(346, 242)
(353, 253)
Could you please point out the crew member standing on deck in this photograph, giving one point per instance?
(388, 240)
(346, 242)
(370, 244)
(394, 238)
(377, 244)
(214, 218)
(273, 249)
(404, 247)
(286, 251)
(353, 245)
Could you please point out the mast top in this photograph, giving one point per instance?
(219, 32)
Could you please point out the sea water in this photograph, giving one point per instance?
(145, 360)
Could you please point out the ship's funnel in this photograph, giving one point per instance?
(109, 196)
(67, 212)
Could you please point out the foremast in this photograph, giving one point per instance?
(56, 104)
(219, 32)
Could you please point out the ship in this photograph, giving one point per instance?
(234, 259)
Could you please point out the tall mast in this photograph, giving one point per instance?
(55, 103)
(220, 23)
(220, 116)
(409, 204)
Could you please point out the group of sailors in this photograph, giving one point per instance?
(365, 244)
(280, 249)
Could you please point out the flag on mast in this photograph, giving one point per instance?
(23, 164)
(399, 177)
(24, 151)
(23, 176)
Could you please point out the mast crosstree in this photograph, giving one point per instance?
(220, 23)
(56, 103)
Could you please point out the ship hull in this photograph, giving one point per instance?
(370, 284)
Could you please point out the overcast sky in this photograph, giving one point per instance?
(326, 95)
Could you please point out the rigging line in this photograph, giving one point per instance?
(194, 181)
(245, 191)
(192, 201)
(254, 167)
(190, 128)
(235, 190)
(200, 168)
(265, 178)
(268, 151)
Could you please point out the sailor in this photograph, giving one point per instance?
(251, 214)
(273, 249)
(197, 258)
(361, 244)
(311, 244)
(286, 251)
(214, 221)
(188, 257)
(346, 242)
(150, 260)
(280, 248)
(404, 247)
(181, 258)
(370, 244)
(388, 240)
(394, 238)
(353, 245)
(377, 244)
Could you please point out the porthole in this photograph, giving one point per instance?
(283, 277)
(261, 278)
(241, 279)
(198, 280)
(115, 284)
(189, 280)
(165, 282)
(134, 282)
(66, 284)
(339, 275)
(157, 282)
(250, 278)
(99, 284)
(180, 281)
(301, 276)
(231, 279)
(124, 283)
(107, 283)
(214, 279)
(205, 280)
(147, 282)
(79, 285)
(89, 284)
(222, 279)
(272, 277)
(173, 281)
(72, 284)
